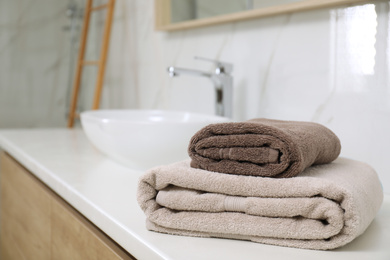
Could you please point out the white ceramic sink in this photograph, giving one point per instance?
(144, 138)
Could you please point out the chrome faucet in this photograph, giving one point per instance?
(222, 80)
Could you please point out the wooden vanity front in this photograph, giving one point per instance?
(37, 224)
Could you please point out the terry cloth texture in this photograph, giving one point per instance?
(325, 207)
(263, 147)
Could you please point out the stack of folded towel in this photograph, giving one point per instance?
(267, 181)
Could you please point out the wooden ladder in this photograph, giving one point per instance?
(101, 63)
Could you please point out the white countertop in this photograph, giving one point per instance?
(105, 193)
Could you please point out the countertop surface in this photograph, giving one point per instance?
(105, 193)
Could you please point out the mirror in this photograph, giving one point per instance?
(184, 14)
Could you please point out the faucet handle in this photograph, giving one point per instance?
(222, 67)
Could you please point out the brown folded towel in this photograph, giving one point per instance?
(263, 147)
(325, 207)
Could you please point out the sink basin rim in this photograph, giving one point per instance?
(148, 116)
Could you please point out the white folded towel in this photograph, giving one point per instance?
(325, 207)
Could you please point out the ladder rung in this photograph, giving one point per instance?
(90, 62)
(99, 7)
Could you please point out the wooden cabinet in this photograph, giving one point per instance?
(37, 224)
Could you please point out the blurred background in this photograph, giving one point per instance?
(329, 65)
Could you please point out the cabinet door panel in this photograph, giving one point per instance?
(74, 237)
(25, 214)
(37, 224)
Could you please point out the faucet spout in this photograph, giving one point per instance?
(222, 81)
(175, 71)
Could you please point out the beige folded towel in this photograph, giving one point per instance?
(263, 147)
(325, 207)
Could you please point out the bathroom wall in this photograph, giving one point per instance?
(329, 66)
(33, 63)
(39, 43)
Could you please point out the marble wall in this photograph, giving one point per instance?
(34, 58)
(329, 66)
(39, 43)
